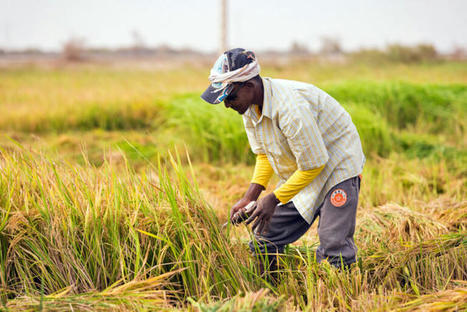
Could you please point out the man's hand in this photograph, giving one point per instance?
(237, 207)
(251, 194)
(263, 213)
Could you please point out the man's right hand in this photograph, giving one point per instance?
(251, 194)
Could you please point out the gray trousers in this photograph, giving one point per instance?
(336, 226)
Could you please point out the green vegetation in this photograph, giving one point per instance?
(432, 108)
(97, 214)
(419, 120)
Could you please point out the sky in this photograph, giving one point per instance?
(252, 24)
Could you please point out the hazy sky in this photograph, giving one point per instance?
(254, 24)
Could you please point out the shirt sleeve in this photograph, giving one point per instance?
(299, 126)
(263, 171)
(296, 183)
(250, 132)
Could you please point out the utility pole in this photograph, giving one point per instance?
(223, 43)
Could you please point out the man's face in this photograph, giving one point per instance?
(240, 98)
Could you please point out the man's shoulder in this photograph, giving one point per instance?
(290, 84)
(292, 88)
(287, 94)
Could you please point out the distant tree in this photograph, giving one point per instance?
(427, 52)
(298, 48)
(73, 49)
(373, 56)
(411, 54)
(165, 49)
(330, 45)
(458, 53)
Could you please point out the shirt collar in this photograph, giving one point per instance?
(267, 104)
(267, 98)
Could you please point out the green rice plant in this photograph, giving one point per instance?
(211, 131)
(432, 108)
(60, 101)
(374, 132)
(429, 146)
(106, 116)
(89, 228)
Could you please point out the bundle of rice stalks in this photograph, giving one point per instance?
(449, 212)
(148, 294)
(446, 300)
(405, 249)
(419, 267)
(393, 223)
(252, 301)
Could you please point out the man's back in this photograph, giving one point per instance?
(302, 127)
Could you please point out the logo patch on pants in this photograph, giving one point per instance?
(338, 197)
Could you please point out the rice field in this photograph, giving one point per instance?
(115, 183)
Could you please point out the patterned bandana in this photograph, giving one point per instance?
(221, 77)
(235, 65)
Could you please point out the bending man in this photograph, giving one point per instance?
(308, 140)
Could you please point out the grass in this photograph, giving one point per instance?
(217, 135)
(437, 126)
(96, 213)
(77, 230)
(403, 105)
(88, 227)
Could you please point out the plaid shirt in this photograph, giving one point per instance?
(302, 127)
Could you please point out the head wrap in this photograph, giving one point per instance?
(234, 65)
(241, 74)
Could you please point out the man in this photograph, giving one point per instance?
(304, 136)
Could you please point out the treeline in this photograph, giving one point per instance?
(401, 54)
(75, 50)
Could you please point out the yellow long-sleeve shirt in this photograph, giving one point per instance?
(297, 181)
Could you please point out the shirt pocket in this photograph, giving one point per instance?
(275, 145)
(279, 152)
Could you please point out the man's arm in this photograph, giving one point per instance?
(263, 171)
(306, 143)
(261, 176)
(267, 205)
(297, 181)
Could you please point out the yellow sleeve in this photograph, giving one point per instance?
(263, 171)
(296, 183)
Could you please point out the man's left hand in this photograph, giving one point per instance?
(264, 210)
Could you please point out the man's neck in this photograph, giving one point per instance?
(260, 96)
